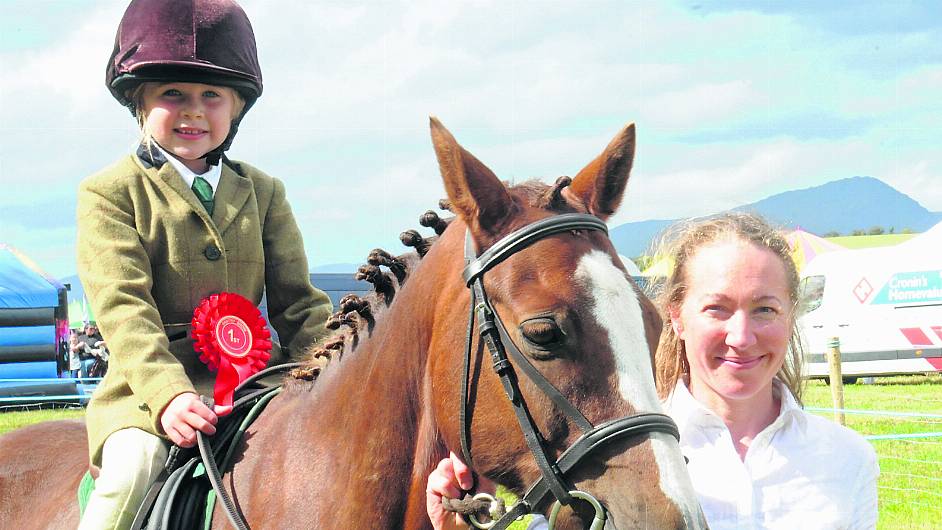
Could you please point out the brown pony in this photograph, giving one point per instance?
(353, 450)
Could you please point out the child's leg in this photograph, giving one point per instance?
(122, 485)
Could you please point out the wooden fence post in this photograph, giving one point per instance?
(837, 380)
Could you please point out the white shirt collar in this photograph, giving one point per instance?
(687, 411)
(212, 175)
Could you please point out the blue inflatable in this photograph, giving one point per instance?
(33, 321)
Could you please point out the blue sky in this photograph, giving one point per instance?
(733, 101)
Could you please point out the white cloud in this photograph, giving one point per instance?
(920, 179)
(701, 181)
(64, 81)
(702, 105)
(533, 88)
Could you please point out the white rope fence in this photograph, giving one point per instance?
(909, 448)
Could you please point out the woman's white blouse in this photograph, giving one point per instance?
(802, 471)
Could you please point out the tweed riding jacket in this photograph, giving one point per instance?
(148, 253)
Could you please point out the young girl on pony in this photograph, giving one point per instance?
(171, 224)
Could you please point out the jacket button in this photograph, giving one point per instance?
(144, 407)
(212, 252)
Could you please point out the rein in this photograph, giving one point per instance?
(179, 497)
(494, 334)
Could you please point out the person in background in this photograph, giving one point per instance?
(728, 368)
(91, 335)
(168, 226)
(100, 354)
(90, 342)
(75, 351)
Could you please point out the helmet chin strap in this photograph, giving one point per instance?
(215, 155)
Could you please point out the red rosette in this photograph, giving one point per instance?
(232, 338)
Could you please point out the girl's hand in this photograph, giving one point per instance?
(186, 414)
(450, 479)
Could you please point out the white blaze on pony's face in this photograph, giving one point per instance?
(578, 317)
(616, 309)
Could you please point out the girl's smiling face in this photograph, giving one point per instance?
(188, 119)
(735, 320)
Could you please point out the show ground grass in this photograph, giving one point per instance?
(16, 417)
(910, 486)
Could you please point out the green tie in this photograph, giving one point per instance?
(204, 192)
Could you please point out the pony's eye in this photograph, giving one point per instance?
(542, 332)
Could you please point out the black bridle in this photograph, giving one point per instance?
(494, 335)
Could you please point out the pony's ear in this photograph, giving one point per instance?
(475, 193)
(601, 184)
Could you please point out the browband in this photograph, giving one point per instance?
(522, 237)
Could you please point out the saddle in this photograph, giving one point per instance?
(184, 495)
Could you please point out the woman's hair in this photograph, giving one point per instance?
(680, 243)
(136, 95)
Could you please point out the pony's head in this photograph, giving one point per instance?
(566, 303)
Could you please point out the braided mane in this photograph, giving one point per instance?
(357, 315)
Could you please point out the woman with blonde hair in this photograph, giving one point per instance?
(728, 366)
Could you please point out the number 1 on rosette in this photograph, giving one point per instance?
(233, 340)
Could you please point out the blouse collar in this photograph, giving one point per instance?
(691, 414)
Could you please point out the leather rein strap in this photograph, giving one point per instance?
(494, 334)
(178, 498)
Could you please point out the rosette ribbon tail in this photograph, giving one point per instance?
(232, 371)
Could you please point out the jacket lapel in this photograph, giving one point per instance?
(155, 165)
(230, 197)
(173, 179)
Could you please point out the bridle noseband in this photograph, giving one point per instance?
(493, 333)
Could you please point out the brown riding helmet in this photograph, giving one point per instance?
(194, 41)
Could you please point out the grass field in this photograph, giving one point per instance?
(882, 240)
(910, 486)
(15, 418)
